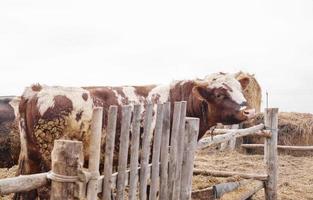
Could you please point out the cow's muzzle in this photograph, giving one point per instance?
(249, 113)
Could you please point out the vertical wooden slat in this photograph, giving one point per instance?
(173, 148)
(134, 152)
(191, 136)
(145, 152)
(180, 150)
(123, 151)
(165, 151)
(108, 155)
(232, 142)
(94, 152)
(156, 153)
(271, 122)
(67, 158)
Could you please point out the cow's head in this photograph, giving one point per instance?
(224, 95)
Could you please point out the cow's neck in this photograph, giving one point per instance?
(182, 91)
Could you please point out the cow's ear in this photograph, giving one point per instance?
(203, 93)
(244, 81)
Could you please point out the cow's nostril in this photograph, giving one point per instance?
(246, 112)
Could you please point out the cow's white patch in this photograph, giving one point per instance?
(119, 97)
(227, 80)
(46, 100)
(29, 93)
(159, 94)
(133, 98)
(130, 94)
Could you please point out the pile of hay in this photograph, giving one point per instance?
(252, 92)
(294, 129)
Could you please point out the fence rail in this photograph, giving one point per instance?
(283, 147)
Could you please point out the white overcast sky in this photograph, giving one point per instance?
(83, 43)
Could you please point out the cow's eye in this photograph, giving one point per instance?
(220, 96)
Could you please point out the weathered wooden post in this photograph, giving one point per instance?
(191, 136)
(109, 150)
(156, 154)
(145, 152)
(270, 147)
(134, 152)
(180, 150)
(165, 151)
(123, 152)
(172, 165)
(232, 142)
(94, 153)
(67, 158)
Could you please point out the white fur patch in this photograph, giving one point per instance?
(119, 97)
(29, 93)
(46, 99)
(161, 91)
(132, 97)
(221, 80)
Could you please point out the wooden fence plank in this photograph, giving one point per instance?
(165, 151)
(191, 136)
(180, 150)
(232, 142)
(135, 136)
(94, 152)
(156, 153)
(174, 148)
(108, 155)
(271, 123)
(145, 152)
(123, 151)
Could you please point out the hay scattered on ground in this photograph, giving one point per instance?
(295, 177)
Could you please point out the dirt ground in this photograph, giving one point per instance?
(295, 173)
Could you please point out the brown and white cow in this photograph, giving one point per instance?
(49, 113)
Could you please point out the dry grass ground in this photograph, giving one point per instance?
(295, 173)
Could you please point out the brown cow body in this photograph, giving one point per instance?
(51, 113)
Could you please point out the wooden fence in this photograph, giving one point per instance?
(268, 180)
(172, 155)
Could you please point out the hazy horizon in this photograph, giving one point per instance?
(73, 43)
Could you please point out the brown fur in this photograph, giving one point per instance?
(143, 90)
